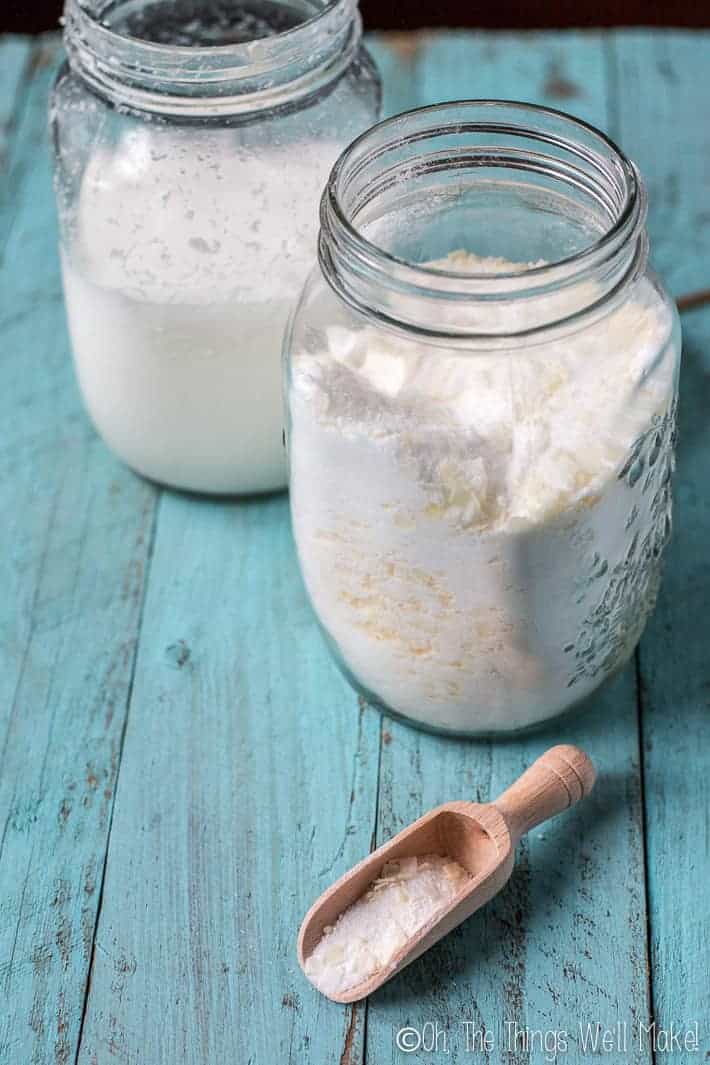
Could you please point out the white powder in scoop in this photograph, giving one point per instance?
(187, 260)
(479, 532)
(407, 895)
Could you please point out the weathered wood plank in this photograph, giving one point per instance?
(563, 70)
(658, 119)
(14, 54)
(539, 955)
(76, 531)
(397, 57)
(25, 129)
(666, 131)
(248, 782)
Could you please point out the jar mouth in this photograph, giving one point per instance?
(416, 169)
(248, 73)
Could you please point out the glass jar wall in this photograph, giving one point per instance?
(482, 382)
(192, 142)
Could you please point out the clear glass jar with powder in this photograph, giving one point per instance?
(482, 388)
(192, 142)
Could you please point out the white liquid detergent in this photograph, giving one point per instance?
(185, 266)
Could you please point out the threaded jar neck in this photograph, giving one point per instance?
(547, 194)
(197, 58)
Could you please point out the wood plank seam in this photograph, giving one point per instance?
(346, 1056)
(333, 862)
(129, 694)
(644, 836)
(615, 132)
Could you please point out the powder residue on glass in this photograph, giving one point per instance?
(406, 896)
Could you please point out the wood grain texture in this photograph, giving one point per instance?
(75, 539)
(24, 127)
(669, 136)
(248, 782)
(14, 56)
(249, 773)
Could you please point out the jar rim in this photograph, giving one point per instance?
(235, 77)
(202, 50)
(341, 238)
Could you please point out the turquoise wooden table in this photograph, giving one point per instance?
(182, 769)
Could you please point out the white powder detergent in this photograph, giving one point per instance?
(408, 894)
(480, 532)
(186, 263)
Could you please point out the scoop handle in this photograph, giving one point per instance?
(557, 780)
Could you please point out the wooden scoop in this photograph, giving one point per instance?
(481, 838)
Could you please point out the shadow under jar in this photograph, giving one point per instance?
(192, 141)
(482, 382)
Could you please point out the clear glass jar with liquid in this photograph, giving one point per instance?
(192, 142)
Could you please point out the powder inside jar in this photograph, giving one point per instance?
(406, 896)
(480, 530)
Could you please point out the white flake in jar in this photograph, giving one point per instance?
(454, 510)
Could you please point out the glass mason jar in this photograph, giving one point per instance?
(482, 379)
(192, 141)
